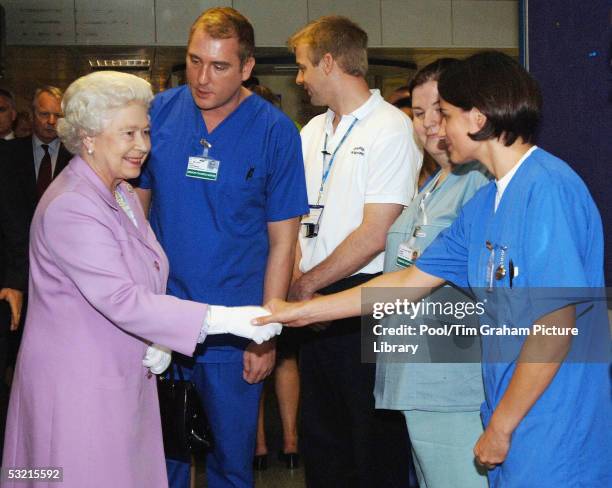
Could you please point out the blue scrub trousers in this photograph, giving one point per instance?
(231, 406)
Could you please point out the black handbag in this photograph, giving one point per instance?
(185, 428)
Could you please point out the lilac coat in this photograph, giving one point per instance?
(81, 398)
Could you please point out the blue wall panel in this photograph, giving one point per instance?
(570, 54)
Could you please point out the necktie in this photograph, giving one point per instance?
(44, 172)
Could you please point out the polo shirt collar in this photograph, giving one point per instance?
(359, 113)
(369, 105)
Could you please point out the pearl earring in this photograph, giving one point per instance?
(90, 151)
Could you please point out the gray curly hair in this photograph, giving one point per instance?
(89, 103)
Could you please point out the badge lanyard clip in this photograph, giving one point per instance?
(205, 147)
(492, 272)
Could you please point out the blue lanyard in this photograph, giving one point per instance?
(327, 169)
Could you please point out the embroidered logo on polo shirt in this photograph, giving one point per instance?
(358, 150)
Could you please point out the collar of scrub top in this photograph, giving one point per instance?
(503, 182)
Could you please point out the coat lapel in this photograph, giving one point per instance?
(140, 231)
(26, 160)
(63, 157)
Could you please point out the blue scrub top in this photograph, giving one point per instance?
(422, 384)
(551, 229)
(215, 232)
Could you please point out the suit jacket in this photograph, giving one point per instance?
(81, 397)
(14, 226)
(18, 153)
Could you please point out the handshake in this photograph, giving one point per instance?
(219, 320)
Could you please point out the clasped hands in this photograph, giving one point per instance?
(220, 320)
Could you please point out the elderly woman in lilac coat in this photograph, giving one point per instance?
(98, 320)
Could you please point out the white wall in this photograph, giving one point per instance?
(389, 23)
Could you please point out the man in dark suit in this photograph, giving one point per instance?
(27, 167)
(14, 224)
(37, 159)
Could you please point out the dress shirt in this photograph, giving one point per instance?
(39, 152)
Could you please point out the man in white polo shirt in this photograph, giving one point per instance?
(362, 166)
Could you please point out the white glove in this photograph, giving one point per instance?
(237, 321)
(157, 358)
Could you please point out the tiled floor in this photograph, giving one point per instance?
(276, 476)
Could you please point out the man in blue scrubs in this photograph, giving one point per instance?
(225, 187)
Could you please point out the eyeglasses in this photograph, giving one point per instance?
(47, 115)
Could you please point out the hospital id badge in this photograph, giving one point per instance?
(406, 255)
(203, 168)
(310, 224)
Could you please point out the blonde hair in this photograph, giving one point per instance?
(54, 91)
(339, 36)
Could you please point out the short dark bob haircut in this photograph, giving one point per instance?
(501, 89)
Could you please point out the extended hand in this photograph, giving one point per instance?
(157, 358)
(492, 447)
(238, 321)
(15, 301)
(289, 314)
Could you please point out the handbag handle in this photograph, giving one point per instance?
(179, 370)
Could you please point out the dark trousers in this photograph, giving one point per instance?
(345, 442)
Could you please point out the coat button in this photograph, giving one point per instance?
(156, 264)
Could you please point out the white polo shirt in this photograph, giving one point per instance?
(378, 162)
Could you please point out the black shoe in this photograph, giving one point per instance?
(291, 459)
(260, 462)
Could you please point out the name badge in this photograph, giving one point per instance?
(310, 222)
(407, 255)
(203, 168)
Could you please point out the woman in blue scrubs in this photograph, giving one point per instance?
(531, 241)
(440, 400)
